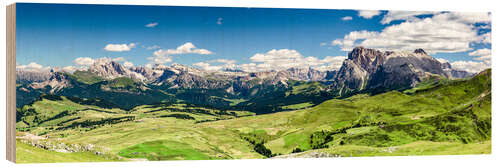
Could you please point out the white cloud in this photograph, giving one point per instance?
(444, 32)
(470, 66)
(187, 48)
(153, 47)
(39, 68)
(32, 67)
(207, 66)
(151, 25)
(486, 38)
(87, 61)
(323, 44)
(349, 40)
(465, 17)
(223, 64)
(119, 47)
(275, 60)
(441, 60)
(202, 65)
(219, 20)
(334, 62)
(275, 56)
(285, 58)
(487, 26)
(403, 15)
(225, 61)
(250, 67)
(128, 64)
(368, 14)
(481, 54)
(118, 59)
(483, 57)
(83, 61)
(162, 56)
(70, 69)
(347, 18)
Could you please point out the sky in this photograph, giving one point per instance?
(71, 37)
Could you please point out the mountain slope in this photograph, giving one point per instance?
(439, 119)
(370, 70)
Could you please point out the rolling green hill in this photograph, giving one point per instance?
(436, 118)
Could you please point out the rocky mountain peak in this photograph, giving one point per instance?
(420, 50)
(108, 69)
(374, 69)
(360, 53)
(367, 59)
(56, 82)
(305, 74)
(446, 65)
(24, 76)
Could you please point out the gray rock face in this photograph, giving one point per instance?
(446, 65)
(147, 73)
(304, 74)
(453, 73)
(23, 76)
(350, 77)
(460, 74)
(56, 82)
(370, 69)
(109, 70)
(181, 76)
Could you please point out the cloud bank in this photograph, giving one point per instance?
(441, 33)
(119, 47)
(162, 56)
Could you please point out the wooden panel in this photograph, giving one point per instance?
(11, 83)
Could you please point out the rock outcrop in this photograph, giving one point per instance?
(374, 70)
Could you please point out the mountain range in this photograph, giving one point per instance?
(364, 71)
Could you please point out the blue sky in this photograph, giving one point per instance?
(252, 39)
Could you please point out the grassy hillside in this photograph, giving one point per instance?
(452, 117)
(86, 77)
(29, 154)
(298, 95)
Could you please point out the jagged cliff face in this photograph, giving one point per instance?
(108, 70)
(56, 82)
(453, 73)
(302, 74)
(32, 76)
(181, 76)
(370, 69)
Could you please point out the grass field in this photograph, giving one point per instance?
(412, 149)
(29, 154)
(162, 150)
(452, 117)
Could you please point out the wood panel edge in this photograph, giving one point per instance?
(11, 83)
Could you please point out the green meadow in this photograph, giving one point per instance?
(438, 117)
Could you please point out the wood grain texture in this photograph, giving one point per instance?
(11, 83)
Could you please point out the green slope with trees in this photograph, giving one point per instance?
(435, 118)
